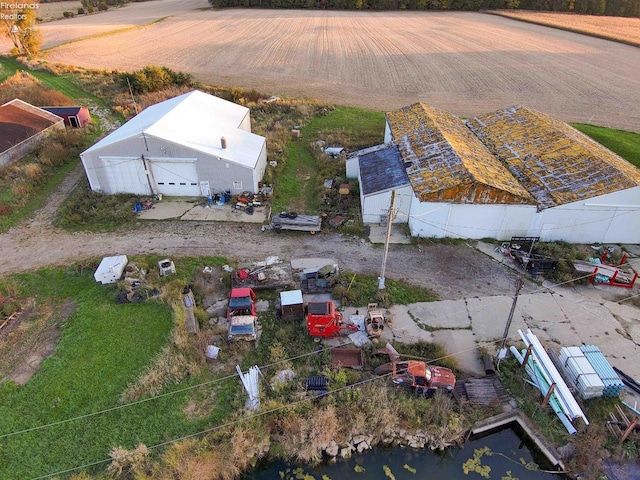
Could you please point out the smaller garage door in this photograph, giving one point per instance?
(176, 177)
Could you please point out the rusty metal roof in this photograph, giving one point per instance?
(20, 121)
(446, 162)
(556, 163)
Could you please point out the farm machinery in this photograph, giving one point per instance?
(421, 378)
(324, 321)
(374, 321)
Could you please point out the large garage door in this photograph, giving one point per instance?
(122, 175)
(176, 177)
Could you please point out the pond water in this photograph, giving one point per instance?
(502, 455)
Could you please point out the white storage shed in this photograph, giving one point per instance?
(192, 145)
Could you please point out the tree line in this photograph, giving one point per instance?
(619, 8)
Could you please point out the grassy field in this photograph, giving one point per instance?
(619, 29)
(103, 348)
(625, 144)
(299, 186)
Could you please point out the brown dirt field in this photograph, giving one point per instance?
(54, 11)
(620, 29)
(466, 63)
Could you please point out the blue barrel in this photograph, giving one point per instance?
(138, 207)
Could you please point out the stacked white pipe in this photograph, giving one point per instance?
(613, 386)
(567, 401)
(538, 381)
(581, 372)
(250, 383)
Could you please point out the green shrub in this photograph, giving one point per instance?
(154, 78)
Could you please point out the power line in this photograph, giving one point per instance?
(118, 407)
(228, 424)
(248, 418)
(175, 392)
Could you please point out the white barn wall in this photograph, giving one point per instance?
(220, 173)
(610, 218)
(440, 219)
(376, 205)
(260, 168)
(246, 123)
(387, 133)
(353, 167)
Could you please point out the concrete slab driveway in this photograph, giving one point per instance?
(559, 316)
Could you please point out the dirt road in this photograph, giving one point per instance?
(452, 271)
(463, 62)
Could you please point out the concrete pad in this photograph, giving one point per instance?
(311, 262)
(166, 210)
(462, 346)
(405, 329)
(540, 309)
(378, 234)
(489, 317)
(225, 213)
(560, 334)
(444, 314)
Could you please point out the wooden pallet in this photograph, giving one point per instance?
(621, 425)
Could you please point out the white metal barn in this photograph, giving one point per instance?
(191, 145)
(515, 172)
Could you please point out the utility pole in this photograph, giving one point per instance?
(519, 284)
(390, 217)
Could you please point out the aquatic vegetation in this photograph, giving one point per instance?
(387, 472)
(410, 469)
(474, 464)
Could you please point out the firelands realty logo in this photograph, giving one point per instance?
(15, 11)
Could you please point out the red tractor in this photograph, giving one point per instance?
(323, 320)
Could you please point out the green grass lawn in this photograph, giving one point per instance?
(299, 185)
(625, 144)
(103, 347)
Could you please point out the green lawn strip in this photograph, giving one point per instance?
(104, 346)
(299, 184)
(363, 128)
(36, 199)
(626, 144)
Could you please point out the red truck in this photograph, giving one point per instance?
(420, 377)
(241, 314)
(323, 320)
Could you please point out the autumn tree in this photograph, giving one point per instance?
(20, 27)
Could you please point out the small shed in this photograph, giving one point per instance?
(110, 269)
(291, 305)
(75, 116)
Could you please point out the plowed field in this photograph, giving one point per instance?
(466, 63)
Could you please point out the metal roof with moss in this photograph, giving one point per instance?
(556, 163)
(446, 162)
